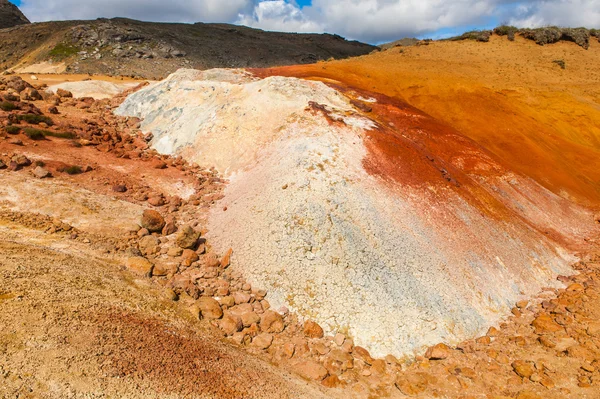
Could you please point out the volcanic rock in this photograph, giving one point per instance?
(10, 15)
(152, 220)
(187, 237)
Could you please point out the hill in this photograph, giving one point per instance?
(10, 15)
(153, 50)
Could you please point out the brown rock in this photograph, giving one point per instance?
(523, 368)
(209, 308)
(438, 352)
(21, 160)
(362, 354)
(311, 370)
(187, 237)
(250, 318)
(189, 256)
(544, 324)
(262, 341)
(140, 266)
(119, 188)
(164, 269)
(312, 329)
(53, 110)
(226, 260)
(149, 245)
(156, 200)
(64, 93)
(331, 382)
(271, 322)
(152, 220)
(41, 173)
(241, 297)
(412, 384)
(231, 324)
(345, 359)
(170, 227)
(527, 395)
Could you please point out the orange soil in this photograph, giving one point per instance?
(507, 97)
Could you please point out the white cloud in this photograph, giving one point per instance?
(366, 20)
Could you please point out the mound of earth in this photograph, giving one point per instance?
(359, 211)
(153, 50)
(10, 15)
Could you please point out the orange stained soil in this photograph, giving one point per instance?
(479, 108)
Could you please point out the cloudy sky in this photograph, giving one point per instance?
(372, 21)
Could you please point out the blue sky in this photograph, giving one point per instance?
(372, 21)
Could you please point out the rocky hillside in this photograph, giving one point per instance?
(152, 50)
(10, 15)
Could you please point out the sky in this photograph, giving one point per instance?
(371, 21)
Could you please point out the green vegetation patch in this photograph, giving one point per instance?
(73, 170)
(63, 50)
(12, 129)
(39, 134)
(477, 35)
(7, 106)
(506, 30)
(34, 134)
(35, 119)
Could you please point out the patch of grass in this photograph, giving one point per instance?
(506, 30)
(35, 119)
(12, 129)
(480, 36)
(34, 134)
(63, 50)
(73, 170)
(560, 63)
(7, 106)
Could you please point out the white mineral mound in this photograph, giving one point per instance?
(393, 266)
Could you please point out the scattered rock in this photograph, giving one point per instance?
(64, 93)
(438, 352)
(156, 200)
(152, 220)
(149, 245)
(187, 237)
(272, 322)
(226, 260)
(523, 368)
(311, 370)
(313, 330)
(139, 265)
(412, 384)
(209, 308)
(41, 173)
(119, 188)
(263, 341)
(231, 324)
(544, 324)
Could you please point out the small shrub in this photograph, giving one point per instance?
(480, 36)
(12, 129)
(40, 163)
(34, 134)
(63, 50)
(35, 119)
(7, 106)
(506, 30)
(73, 170)
(560, 63)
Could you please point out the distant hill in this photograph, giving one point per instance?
(10, 15)
(152, 50)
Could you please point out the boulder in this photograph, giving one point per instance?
(209, 308)
(64, 93)
(187, 238)
(231, 324)
(523, 368)
(544, 324)
(272, 322)
(30, 94)
(152, 220)
(311, 370)
(438, 352)
(139, 265)
(262, 341)
(41, 173)
(149, 245)
(312, 329)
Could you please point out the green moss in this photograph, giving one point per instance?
(63, 50)
(34, 134)
(73, 170)
(12, 129)
(7, 106)
(35, 119)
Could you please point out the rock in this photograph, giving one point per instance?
(170, 227)
(156, 200)
(21, 160)
(544, 324)
(41, 173)
(30, 94)
(312, 329)
(362, 354)
(331, 382)
(164, 269)
(149, 245)
(226, 260)
(526, 394)
(174, 252)
(228, 302)
(2, 165)
(142, 232)
(311, 370)
(15, 141)
(231, 324)
(64, 93)
(345, 359)
(209, 308)
(188, 257)
(438, 352)
(262, 341)
(241, 297)
(339, 339)
(250, 318)
(139, 265)
(187, 237)
(119, 188)
(563, 344)
(523, 368)
(53, 110)
(152, 220)
(272, 322)
(412, 384)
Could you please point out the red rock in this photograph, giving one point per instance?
(64, 93)
(412, 384)
(140, 266)
(262, 341)
(312, 329)
(331, 382)
(271, 322)
(226, 260)
(231, 324)
(311, 370)
(209, 308)
(438, 352)
(119, 188)
(523, 368)
(250, 318)
(152, 220)
(544, 324)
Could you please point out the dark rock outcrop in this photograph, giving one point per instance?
(10, 15)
